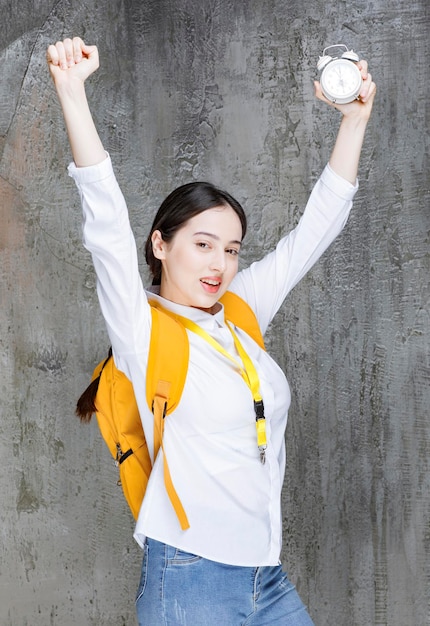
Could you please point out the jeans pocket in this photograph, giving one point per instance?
(181, 557)
(284, 581)
(143, 574)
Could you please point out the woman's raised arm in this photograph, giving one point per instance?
(70, 63)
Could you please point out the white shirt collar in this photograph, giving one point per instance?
(206, 320)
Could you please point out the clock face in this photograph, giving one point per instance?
(341, 81)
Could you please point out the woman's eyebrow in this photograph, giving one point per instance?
(202, 232)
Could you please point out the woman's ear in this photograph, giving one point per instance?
(158, 245)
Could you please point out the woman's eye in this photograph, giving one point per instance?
(233, 251)
(202, 244)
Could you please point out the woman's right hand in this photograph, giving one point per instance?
(70, 63)
(70, 59)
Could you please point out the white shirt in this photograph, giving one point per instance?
(232, 501)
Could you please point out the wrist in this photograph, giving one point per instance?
(70, 90)
(355, 120)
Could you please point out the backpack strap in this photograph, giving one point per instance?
(167, 371)
(239, 312)
(167, 360)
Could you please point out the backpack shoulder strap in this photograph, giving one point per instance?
(165, 379)
(167, 360)
(239, 312)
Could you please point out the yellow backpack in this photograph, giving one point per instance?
(110, 396)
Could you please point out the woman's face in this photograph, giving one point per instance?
(201, 260)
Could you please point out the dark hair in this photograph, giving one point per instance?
(181, 205)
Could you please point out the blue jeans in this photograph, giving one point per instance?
(180, 589)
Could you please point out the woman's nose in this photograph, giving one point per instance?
(218, 261)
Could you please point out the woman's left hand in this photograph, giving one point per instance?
(362, 106)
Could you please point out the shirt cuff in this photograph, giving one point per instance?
(338, 185)
(92, 173)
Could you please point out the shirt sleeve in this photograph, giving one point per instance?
(266, 283)
(108, 237)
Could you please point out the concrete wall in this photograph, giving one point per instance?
(222, 91)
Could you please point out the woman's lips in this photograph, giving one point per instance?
(211, 285)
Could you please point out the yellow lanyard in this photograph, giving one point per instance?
(248, 373)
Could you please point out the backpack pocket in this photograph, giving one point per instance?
(134, 470)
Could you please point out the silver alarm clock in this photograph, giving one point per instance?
(340, 78)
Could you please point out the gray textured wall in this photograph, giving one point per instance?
(221, 90)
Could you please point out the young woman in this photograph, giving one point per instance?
(225, 568)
